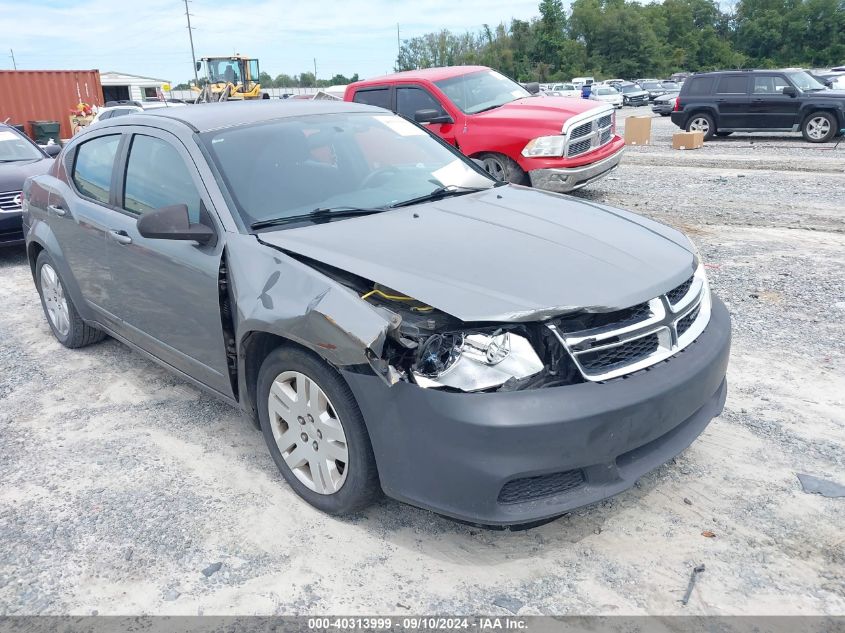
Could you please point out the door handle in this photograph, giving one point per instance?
(120, 237)
(57, 209)
(720, 100)
(758, 100)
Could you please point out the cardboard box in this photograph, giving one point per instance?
(687, 140)
(638, 130)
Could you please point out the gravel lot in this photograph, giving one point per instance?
(121, 484)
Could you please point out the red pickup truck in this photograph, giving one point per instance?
(555, 143)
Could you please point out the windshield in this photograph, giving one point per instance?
(631, 88)
(670, 85)
(291, 167)
(224, 71)
(651, 85)
(13, 147)
(482, 90)
(803, 81)
(605, 91)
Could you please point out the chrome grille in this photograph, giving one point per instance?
(10, 201)
(609, 345)
(587, 135)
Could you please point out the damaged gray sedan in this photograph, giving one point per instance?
(392, 318)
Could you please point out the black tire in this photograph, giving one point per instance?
(700, 120)
(664, 114)
(79, 333)
(723, 133)
(625, 101)
(504, 168)
(815, 120)
(361, 487)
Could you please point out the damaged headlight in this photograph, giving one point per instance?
(544, 146)
(474, 361)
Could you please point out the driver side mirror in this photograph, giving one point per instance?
(199, 65)
(789, 91)
(52, 150)
(173, 223)
(432, 116)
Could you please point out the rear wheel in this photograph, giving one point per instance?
(701, 122)
(315, 432)
(67, 326)
(819, 127)
(504, 168)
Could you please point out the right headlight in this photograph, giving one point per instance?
(474, 361)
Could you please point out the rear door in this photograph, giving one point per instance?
(733, 102)
(771, 108)
(78, 212)
(165, 292)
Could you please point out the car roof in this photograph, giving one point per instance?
(429, 74)
(213, 116)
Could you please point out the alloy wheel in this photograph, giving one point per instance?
(55, 300)
(308, 432)
(495, 168)
(700, 124)
(818, 127)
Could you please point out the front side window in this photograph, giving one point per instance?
(157, 176)
(379, 97)
(479, 91)
(291, 167)
(409, 100)
(769, 85)
(733, 85)
(93, 166)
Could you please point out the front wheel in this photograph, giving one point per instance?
(315, 432)
(701, 122)
(504, 168)
(819, 127)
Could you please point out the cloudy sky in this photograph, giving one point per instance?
(149, 37)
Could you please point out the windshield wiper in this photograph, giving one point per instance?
(442, 192)
(323, 214)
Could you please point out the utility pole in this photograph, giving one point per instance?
(315, 72)
(398, 42)
(14, 63)
(191, 37)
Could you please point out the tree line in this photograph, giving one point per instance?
(628, 39)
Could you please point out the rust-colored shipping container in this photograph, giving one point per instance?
(47, 95)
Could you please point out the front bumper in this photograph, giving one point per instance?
(11, 229)
(454, 453)
(663, 108)
(564, 179)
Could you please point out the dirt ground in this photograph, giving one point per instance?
(121, 484)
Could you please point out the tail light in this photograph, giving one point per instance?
(677, 107)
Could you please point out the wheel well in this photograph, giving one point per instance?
(255, 347)
(32, 254)
(825, 109)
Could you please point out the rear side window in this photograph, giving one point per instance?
(375, 97)
(700, 86)
(409, 100)
(92, 169)
(157, 176)
(733, 85)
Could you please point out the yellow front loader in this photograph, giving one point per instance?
(230, 78)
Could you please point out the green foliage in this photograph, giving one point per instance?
(626, 38)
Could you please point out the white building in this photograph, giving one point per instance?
(123, 87)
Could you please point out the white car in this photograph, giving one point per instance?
(123, 109)
(567, 90)
(606, 94)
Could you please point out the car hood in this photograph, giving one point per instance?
(506, 254)
(828, 94)
(547, 109)
(12, 175)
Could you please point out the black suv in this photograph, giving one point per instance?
(719, 103)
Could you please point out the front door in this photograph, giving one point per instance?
(770, 107)
(166, 292)
(733, 102)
